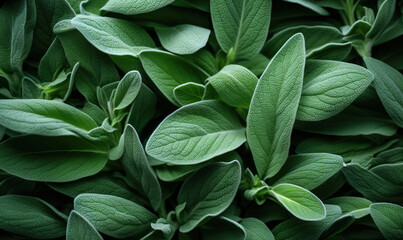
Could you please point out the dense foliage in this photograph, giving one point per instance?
(197, 119)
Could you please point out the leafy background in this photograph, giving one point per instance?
(196, 119)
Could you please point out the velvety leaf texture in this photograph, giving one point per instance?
(196, 133)
(209, 197)
(79, 228)
(48, 118)
(241, 25)
(274, 105)
(201, 119)
(114, 216)
(329, 87)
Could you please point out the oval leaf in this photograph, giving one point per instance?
(127, 90)
(183, 39)
(309, 170)
(113, 36)
(114, 216)
(196, 133)
(299, 202)
(235, 85)
(44, 117)
(130, 7)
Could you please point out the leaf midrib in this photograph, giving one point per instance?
(200, 136)
(239, 28)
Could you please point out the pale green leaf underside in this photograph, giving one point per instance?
(299, 202)
(183, 39)
(113, 36)
(127, 90)
(133, 7)
(273, 107)
(44, 117)
(196, 133)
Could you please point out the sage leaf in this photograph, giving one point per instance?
(299, 202)
(383, 17)
(371, 185)
(79, 228)
(135, 163)
(256, 229)
(31, 217)
(52, 159)
(127, 90)
(274, 106)
(241, 25)
(44, 117)
(183, 39)
(208, 192)
(105, 34)
(329, 87)
(389, 87)
(134, 7)
(388, 218)
(309, 170)
(196, 133)
(235, 85)
(114, 216)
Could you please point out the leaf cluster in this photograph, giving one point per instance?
(201, 119)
